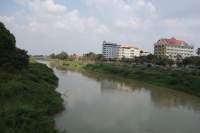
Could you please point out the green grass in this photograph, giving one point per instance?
(182, 80)
(63, 64)
(28, 100)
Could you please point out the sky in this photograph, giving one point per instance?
(80, 26)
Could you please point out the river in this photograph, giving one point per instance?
(106, 104)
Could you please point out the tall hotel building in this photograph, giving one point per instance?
(173, 48)
(110, 50)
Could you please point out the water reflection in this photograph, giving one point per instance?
(110, 86)
(161, 97)
(173, 99)
(107, 104)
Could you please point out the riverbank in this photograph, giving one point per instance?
(28, 100)
(181, 80)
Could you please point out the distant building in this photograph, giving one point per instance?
(110, 50)
(173, 48)
(128, 52)
(115, 51)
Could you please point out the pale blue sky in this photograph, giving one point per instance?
(79, 26)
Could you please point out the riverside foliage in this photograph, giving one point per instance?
(186, 81)
(11, 58)
(28, 98)
(179, 79)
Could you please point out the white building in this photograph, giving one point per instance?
(128, 52)
(173, 48)
(115, 51)
(110, 50)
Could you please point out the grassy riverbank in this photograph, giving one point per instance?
(28, 100)
(182, 80)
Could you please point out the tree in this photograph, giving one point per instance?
(198, 51)
(62, 56)
(20, 58)
(7, 39)
(171, 62)
(187, 61)
(90, 56)
(141, 52)
(163, 61)
(52, 56)
(99, 57)
(124, 59)
(11, 58)
(151, 58)
(179, 60)
(194, 60)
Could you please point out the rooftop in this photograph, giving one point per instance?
(128, 46)
(173, 42)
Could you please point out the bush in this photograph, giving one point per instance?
(27, 105)
(16, 59)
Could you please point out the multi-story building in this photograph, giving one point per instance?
(110, 50)
(128, 52)
(115, 51)
(173, 48)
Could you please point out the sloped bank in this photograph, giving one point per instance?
(181, 80)
(28, 100)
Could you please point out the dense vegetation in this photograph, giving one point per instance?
(62, 56)
(28, 98)
(183, 80)
(7, 39)
(91, 57)
(63, 65)
(11, 58)
(194, 61)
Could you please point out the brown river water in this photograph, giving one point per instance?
(107, 104)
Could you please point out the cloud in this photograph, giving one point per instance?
(182, 9)
(53, 7)
(7, 19)
(47, 13)
(52, 25)
(46, 5)
(60, 28)
(124, 15)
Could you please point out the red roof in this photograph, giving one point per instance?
(173, 41)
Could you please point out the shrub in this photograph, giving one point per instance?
(16, 59)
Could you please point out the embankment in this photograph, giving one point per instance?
(181, 80)
(28, 100)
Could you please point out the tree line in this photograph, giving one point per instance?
(148, 60)
(86, 57)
